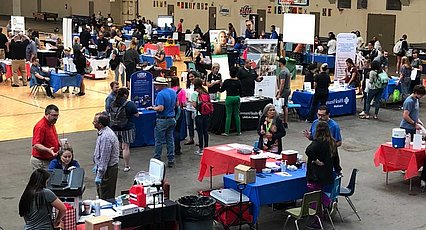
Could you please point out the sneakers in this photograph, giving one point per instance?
(199, 152)
(126, 169)
(178, 153)
(285, 125)
(51, 97)
(422, 184)
(190, 142)
(224, 134)
(15, 85)
(362, 113)
(170, 164)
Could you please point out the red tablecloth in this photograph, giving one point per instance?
(172, 50)
(222, 162)
(9, 72)
(394, 159)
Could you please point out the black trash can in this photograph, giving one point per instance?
(197, 212)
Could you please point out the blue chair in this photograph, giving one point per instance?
(335, 191)
(35, 86)
(350, 190)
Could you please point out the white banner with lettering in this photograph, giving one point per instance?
(345, 48)
(17, 23)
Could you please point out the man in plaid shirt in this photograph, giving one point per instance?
(105, 157)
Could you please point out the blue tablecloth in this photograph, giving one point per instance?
(339, 102)
(389, 89)
(271, 189)
(60, 80)
(150, 59)
(128, 37)
(321, 58)
(164, 33)
(145, 124)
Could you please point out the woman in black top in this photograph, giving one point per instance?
(271, 130)
(80, 65)
(321, 83)
(232, 86)
(214, 79)
(309, 74)
(322, 158)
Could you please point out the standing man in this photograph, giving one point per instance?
(18, 48)
(165, 104)
(85, 37)
(410, 117)
(284, 88)
(111, 97)
(105, 157)
(31, 50)
(274, 34)
(248, 76)
(45, 139)
(103, 45)
(179, 29)
(3, 47)
(324, 115)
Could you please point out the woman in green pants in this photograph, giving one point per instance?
(232, 86)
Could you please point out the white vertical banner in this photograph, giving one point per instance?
(345, 48)
(67, 32)
(17, 23)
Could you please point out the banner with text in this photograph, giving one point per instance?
(142, 89)
(345, 48)
(17, 23)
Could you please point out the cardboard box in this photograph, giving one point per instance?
(99, 223)
(244, 174)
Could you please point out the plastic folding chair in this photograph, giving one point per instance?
(335, 191)
(305, 210)
(349, 191)
(35, 86)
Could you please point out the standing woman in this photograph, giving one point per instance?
(271, 130)
(202, 121)
(160, 56)
(321, 83)
(231, 31)
(401, 53)
(214, 79)
(179, 112)
(37, 201)
(416, 63)
(375, 90)
(189, 109)
(405, 77)
(130, 60)
(125, 135)
(80, 64)
(322, 158)
(232, 86)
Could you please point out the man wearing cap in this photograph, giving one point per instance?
(284, 88)
(248, 76)
(165, 104)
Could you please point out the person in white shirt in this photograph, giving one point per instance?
(360, 41)
(331, 44)
(377, 44)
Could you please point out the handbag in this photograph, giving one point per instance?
(69, 218)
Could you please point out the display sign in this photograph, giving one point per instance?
(299, 28)
(345, 48)
(245, 10)
(222, 60)
(218, 41)
(142, 89)
(17, 23)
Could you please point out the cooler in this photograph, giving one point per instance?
(290, 156)
(398, 138)
(137, 195)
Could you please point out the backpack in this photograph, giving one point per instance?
(383, 79)
(205, 106)
(397, 48)
(117, 116)
(178, 109)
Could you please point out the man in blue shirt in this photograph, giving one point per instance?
(165, 103)
(410, 117)
(274, 34)
(111, 97)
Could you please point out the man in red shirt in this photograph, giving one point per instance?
(179, 29)
(45, 139)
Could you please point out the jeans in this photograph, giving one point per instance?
(376, 94)
(123, 76)
(318, 98)
(232, 104)
(163, 133)
(176, 135)
(189, 123)
(202, 122)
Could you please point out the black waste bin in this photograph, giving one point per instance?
(197, 212)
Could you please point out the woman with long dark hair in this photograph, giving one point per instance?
(201, 121)
(37, 201)
(189, 109)
(322, 158)
(80, 64)
(375, 91)
(271, 130)
(126, 134)
(232, 86)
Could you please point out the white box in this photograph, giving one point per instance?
(228, 196)
(127, 209)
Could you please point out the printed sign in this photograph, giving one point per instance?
(17, 23)
(345, 48)
(142, 89)
(245, 10)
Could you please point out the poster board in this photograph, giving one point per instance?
(345, 48)
(218, 41)
(222, 60)
(263, 53)
(17, 23)
(142, 89)
(299, 28)
(67, 32)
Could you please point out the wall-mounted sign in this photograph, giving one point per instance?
(245, 10)
(224, 11)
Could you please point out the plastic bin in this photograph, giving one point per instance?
(197, 212)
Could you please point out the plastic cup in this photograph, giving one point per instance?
(63, 141)
(87, 207)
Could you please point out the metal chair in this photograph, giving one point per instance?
(35, 86)
(335, 191)
(350, 190)
(305, 210)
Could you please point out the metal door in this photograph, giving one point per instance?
(317, 22)
(91, 8)
(39, 6)
(212, 18)
(382, 26)
(262, 21)
(171, 10)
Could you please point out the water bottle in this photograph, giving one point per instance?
(283, 166)
(97, 206)
(407, 141)
(119, 201)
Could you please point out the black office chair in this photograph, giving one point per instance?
(349, 191)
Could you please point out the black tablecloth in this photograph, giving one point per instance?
(170, 213)
(250, 113)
